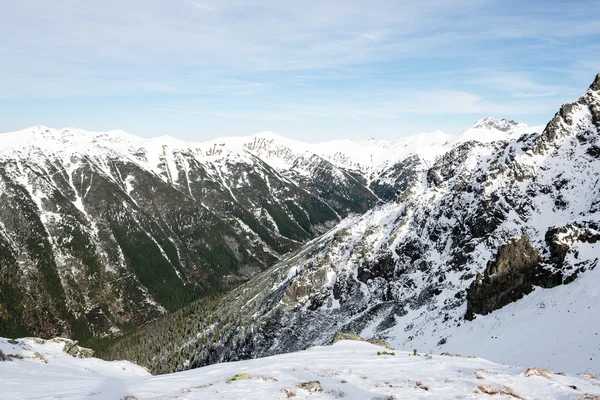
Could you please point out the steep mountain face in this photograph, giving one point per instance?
(481, 226)
(99, 231)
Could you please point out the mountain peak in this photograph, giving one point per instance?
(494, 123)
(269, 136)
(595, 86)
(38, 128)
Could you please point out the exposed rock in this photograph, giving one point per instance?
(593, 151)
(596, 84)
(239, 377)
(519, 267)
(560, 242)
(312, 386)
(505, 280)
(4, 357)
(347, 336)
(73, 349)
(381, 343)
(533, 371)
(394, 182)
(351, 336)
(40, 357)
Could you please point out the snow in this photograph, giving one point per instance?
(347, 369)
(554, 328)
(73, 146)
(278, 151)
(162, 155)
(488, 130)
(368, 156)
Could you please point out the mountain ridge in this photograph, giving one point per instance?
(327, 149)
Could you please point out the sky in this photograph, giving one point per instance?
(309, 70)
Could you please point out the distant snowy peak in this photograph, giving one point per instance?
(42, 134)
(504, 125)
(278, 151)
(372, 156)
(365, 156)
(488, 130)
(74, 140)
(368, 157)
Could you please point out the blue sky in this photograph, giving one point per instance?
(312, 70)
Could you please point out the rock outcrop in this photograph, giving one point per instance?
(508, 278)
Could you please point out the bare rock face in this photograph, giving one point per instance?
(347, 336)
(505, 280)
(562, 242)
(519, 267)
(596, 84)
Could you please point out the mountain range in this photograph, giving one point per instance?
(107, 230)
(262, 245)
(486, 246)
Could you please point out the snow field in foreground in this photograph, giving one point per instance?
(349, 370)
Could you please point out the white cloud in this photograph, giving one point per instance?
(199, 5)
(301, 59)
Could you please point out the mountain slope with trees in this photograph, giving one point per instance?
(505, 228)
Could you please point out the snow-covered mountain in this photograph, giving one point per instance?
(491, 248)
(353, 370)
(367, 157)
(102, 230)
(107, 230)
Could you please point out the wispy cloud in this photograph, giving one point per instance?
(302, 61)
(199, 5)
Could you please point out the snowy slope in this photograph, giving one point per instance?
(350, 370)
(556, 328)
